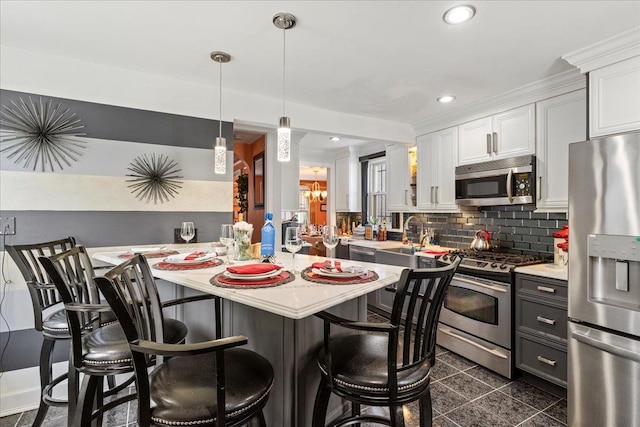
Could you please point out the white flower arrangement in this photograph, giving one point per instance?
(243, 231)
(242, 226)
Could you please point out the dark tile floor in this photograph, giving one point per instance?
(463, 393)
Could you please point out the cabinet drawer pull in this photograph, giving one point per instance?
(545, 320)
(488, 143)
(547, 361)
(546, 289)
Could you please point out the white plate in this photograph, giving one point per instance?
(340, 274)
(174, 259)
(260, 276)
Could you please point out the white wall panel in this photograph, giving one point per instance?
(32, 191)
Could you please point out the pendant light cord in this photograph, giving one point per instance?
(220, 122)
(284, 68)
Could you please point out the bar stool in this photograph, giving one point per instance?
(98, 349)
(48, 314)
(388, 366)
(210, 383)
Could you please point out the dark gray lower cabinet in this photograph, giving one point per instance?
(541, 327)
(381, 301)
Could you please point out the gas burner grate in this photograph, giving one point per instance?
(499, 257)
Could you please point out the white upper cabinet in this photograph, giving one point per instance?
(507, 134)
(560, 121)
(347, 193)
(614, 98)
(437, 157)
(401, 178)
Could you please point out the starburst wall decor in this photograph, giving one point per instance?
(39, 134)
(155, 179)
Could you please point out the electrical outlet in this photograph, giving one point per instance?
(8, 225)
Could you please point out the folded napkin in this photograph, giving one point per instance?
(253, 268)
(194, 256)
(326, 265)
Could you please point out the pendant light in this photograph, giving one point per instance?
(284, 21)
(220, 149)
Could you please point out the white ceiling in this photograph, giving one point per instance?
(383, 59)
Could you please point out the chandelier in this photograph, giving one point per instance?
(315, 193)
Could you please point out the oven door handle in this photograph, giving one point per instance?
(475, 344)
(479, 284)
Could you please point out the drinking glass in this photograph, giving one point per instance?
(330, 239)
(187, 232)
(293, 242)
(226, 237)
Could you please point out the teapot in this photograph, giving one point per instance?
(481, 241)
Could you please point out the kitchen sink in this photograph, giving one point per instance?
(401, 256)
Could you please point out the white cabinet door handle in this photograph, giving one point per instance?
(488, 143)
(437, 193)
(495, 142)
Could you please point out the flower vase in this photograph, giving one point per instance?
(243, 245)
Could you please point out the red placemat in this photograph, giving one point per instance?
(162, 254)
(178, 267)
(224, 282)
(367, 276)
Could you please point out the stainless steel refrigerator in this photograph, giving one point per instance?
(604, 282)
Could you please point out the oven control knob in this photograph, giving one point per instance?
(503, 267)
(494, 265)
(445, 257)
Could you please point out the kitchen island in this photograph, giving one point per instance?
(278, 322)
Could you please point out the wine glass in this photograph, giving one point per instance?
(187, 232)
(330, 238)
(226, 237)
(293, 242)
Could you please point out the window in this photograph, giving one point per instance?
(377, 191)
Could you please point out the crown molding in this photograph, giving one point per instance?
(558, 84)
(606, 52)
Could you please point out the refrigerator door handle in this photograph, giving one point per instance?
(609, 348)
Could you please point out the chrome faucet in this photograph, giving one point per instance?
(422, 234)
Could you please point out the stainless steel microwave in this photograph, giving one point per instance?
(509, 181)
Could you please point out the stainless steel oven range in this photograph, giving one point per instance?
(476, 320)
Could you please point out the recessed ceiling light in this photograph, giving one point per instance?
(459, 14)
(335, 138)
(446, 98)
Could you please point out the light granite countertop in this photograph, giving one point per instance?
(391, 244)
(550, 270)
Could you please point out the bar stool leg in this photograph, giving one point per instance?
(45, 378)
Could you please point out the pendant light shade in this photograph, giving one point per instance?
(284, 140)
(284, 21)
(220, 149)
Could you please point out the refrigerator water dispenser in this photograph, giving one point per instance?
(614, 270)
